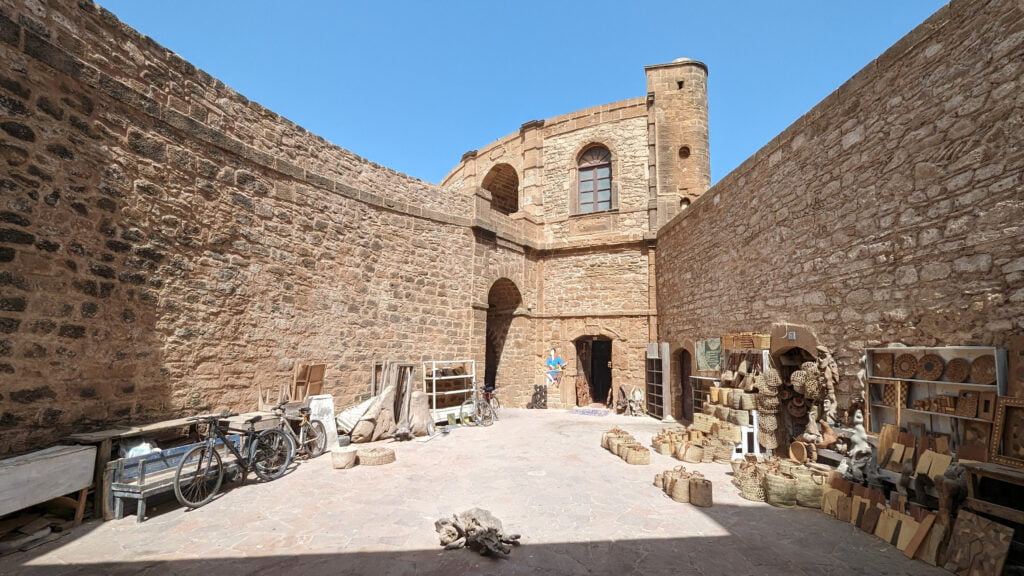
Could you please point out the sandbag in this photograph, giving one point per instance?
(421, 423)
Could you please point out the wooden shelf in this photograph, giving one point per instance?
(884, 380)
(916, 411)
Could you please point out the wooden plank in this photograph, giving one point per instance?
(39, 476)
(869, 521)
(1011, 514)
(924, 463)
(908, 529)
(922, 531)
(929, 551)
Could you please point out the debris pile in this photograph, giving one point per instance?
(476, 529)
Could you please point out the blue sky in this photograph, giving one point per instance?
(412, 85)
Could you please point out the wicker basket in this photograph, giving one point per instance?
(780, 490)
(613, 433)
(748, 401)
(724, 451)
(905, 366)
(637, 455)
(700, 491)
(680, 491)
(958, 369)
(752, 483)
(739, 417)
(375, 456)
(709, 450)
(799, 381)
(716, 394)
(766, 403)
(692, 452)
(983, 370)
(809, 489)
(767, 422)
(930, 367)
(659, 480)
(670, 477)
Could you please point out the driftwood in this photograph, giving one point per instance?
(476, 529)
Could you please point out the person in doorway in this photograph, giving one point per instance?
(555, 366)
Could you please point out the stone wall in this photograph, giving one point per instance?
(891, 212)
(166, 245)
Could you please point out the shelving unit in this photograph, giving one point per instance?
(908, 390)
(448, 383)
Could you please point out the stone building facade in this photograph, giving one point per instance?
(893, 211)
(169, 247)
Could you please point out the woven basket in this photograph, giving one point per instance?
(638, 455)
(736, 399)
(663, 446)
(930, 367)
(606, 438)
(622, 448)
(748, 401)
(752, 484)
(680, 491)
(716, 394)
(723, 452)
(780, 490)
(767, 403)
(803, 452)
(700, 492)
(375, 456)
(659, 480)
(691, 452)
(670, 477)
(768, 440)
(799, 381)
(739, 417)
(722, 413)
(983, 370)
(958, 369)
(767, 422)
(809, 489)
(905, 366)
(709, 450)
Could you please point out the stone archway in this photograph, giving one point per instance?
(503, 299)
(503, 184)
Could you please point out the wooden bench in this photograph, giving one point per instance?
(140, 477)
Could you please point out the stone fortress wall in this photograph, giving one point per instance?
(167, 245)
(893, 211)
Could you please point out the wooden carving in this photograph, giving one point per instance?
(978, 547)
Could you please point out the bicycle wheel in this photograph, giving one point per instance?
(313, 438)
(198, 477)
(272, 452)
(484, 414)
(467, 413)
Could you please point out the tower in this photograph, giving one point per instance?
(677, 137)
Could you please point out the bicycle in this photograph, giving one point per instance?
(311, 438)
(201, 471)
(476, 410)
(491, 397)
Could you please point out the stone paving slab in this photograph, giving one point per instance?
(580, 510)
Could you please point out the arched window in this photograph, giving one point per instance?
(503, 184)
(594, 191)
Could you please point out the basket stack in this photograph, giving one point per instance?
(668, 441)
(685, 487)
(625, 446)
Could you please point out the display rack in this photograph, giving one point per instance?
(448, 383)
(897, 405)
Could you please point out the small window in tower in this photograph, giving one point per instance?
(680, 84)
(684, 152)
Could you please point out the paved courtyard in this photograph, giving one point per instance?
(580, 510)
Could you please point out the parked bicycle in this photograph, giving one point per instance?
(477, 409)
(311, 438)
(491, 396)
(201, 471)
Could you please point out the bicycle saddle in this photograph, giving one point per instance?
(254, 419)
(304, 410)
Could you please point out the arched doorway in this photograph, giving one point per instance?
(502, 301)
(503, 184)
(594, 370)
